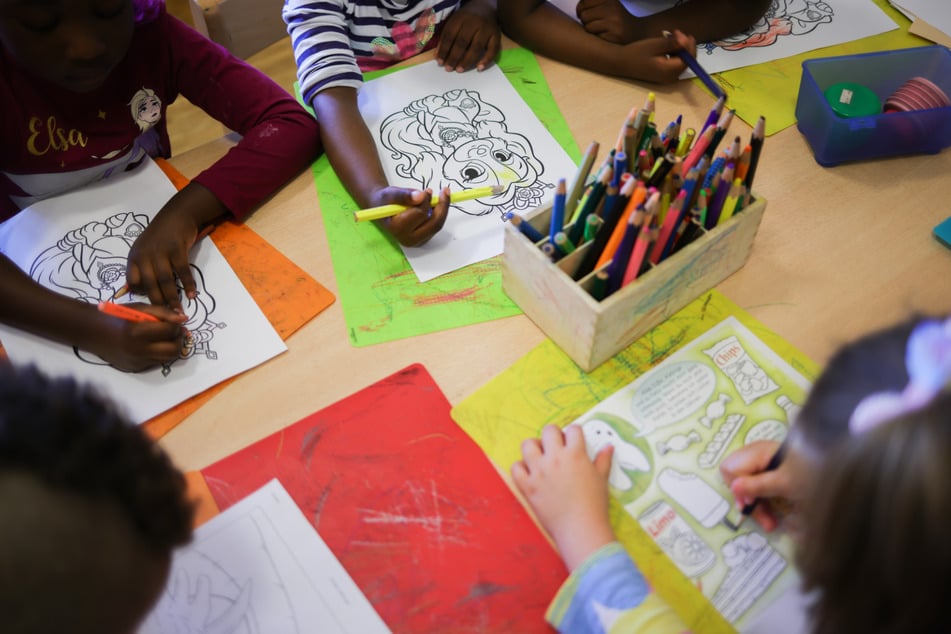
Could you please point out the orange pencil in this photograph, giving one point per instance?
(637, 193)
(125, 312)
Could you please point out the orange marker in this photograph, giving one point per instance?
(125, 312)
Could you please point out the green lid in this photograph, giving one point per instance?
(849, 99)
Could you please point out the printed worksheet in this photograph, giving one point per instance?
(261, 568)
(77, 244)
(464, 131)
(670, 430)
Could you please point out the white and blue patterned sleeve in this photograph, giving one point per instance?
(320, 35)
(607, 594)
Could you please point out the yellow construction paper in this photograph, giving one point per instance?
(546, 387)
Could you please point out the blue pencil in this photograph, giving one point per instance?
(697, 69)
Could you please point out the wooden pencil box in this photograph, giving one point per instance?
(591, 332)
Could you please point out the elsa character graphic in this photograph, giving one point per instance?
(146, 110)
(459, 140)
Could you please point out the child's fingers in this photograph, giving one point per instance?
(492, 48)
(748, 460)
(531, 449)
(602, 461)
(770, 484)
(552, 438)
(574, 437)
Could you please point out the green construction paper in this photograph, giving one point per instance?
(771, 89)
(381, 297)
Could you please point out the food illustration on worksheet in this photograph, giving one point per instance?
(670, 430)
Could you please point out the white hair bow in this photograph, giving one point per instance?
(928, 361)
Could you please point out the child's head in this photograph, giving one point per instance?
(92, 510)
(874, 543)
(73, 44)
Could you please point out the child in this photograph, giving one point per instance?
(92, 510)
(335, 42)
(612, 41)
(84, 85)
(866, 470)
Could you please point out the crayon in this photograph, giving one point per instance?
(385, 211)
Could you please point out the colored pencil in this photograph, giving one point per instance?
(698, 70)
(385, 211)
(581, 179)
(530, 232)
(125, 312)
(557, 222)
(756, 147)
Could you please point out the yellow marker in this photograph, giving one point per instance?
(385, 211)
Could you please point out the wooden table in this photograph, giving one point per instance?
(840, 252)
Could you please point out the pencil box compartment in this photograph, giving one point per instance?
(591, 332)
(835, 139)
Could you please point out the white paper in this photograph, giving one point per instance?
(789, 27)
(434, 128)
(76, 244)
(261, 568)
(937, 13)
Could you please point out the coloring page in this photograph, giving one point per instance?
(77, 243)
(260, 568)
(670, 430)
(464, 131)
(789, 27)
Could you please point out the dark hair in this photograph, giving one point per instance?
(146, 10)
(70, 439)
(874, 545)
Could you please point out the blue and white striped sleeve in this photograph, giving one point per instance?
(320, 36)
(607, 594)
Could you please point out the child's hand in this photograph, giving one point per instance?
(470, 37)
(567, 492)
(415, 226)
(158, 260)
(655, 59)
(744, 472)
(135, 346)
(609, 20)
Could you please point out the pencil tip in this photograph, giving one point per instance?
(498, 189)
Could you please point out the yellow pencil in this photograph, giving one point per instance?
(733, 197)
(385, 211)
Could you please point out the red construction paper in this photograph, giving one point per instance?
(411, 506)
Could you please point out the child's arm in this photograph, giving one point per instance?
(470, 37)
(706, 20)
(279, 139)
(569, 495)
(541, 27)
(130, 346)
(353, 154)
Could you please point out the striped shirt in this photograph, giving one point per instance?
(336, 40)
